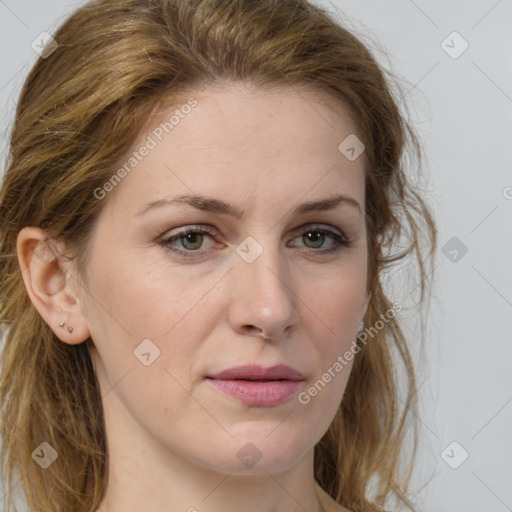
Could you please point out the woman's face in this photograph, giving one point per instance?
(220, 233)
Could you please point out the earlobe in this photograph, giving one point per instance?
(47, 282)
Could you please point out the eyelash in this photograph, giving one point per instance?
(341, 242)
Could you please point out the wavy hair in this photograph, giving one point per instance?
(80, 110)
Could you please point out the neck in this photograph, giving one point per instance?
(147, 476)
(216, 493)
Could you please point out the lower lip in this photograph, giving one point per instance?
(258, 393)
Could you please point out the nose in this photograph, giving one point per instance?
(263, 302)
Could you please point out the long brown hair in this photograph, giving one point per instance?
(80, 110)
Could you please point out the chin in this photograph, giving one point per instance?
(261, 451)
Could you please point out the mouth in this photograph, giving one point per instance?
(257, 386)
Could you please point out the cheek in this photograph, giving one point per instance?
(147, 301)
(129, 305)
(147, 334)
(337, 303)
(335, 310)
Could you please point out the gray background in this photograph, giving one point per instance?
(462, 108)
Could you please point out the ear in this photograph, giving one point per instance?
(51, 286)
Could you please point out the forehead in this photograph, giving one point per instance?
(226, 139)
(271, 108)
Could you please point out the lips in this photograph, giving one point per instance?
(258, 373)
(256, 386)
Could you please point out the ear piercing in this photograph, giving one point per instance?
(70, 329)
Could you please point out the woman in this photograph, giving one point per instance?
(201, 202)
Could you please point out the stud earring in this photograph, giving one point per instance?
(70, 329)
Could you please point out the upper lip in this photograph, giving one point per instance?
(254, 372)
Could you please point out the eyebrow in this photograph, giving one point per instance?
(217, 206)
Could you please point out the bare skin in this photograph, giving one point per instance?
(174, 438)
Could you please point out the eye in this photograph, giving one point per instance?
(190, 241)
(315, 238)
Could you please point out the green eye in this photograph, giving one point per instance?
(189, 242)
(315, 238)
(192, 241)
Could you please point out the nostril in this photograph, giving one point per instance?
(256, 331)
